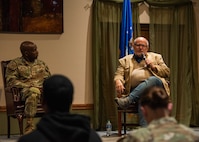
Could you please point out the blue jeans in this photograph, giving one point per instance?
(136, 92)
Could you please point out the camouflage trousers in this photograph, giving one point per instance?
(31, 96)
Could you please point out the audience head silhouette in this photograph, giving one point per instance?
(57, 94)
(155, 103)
(155, 97)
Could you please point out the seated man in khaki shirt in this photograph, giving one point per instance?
(137, 72)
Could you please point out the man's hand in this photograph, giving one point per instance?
(148, 62)
(119, 87)
(150, 65)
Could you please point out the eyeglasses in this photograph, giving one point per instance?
(138, 45)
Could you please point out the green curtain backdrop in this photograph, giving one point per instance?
(172, 33)
(105, 54)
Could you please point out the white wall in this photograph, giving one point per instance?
(68, 53)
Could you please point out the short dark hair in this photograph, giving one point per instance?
(154, 97)
(58, 93)
(24, 45)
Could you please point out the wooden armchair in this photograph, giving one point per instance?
(14, 105)
(133, 108)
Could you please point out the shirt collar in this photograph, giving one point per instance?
(138, 58)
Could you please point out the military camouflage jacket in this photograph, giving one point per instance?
(22, 74)
(163, 130)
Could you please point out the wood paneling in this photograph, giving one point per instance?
(145, 30)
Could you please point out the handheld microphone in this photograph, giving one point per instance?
(144, 56)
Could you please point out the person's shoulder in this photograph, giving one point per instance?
(34, 136)
(141, 134)
(14, 62)
(39, 61)
(141, 131)
(188, 131)
(18, 59)
(127, 57)
(181, 133)
(153, 54)
(94, 137)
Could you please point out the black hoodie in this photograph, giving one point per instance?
(62, 127)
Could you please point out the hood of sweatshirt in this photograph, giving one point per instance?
(65, 127)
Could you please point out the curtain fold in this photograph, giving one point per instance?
(164, 3)
(105, 53)
(121, 1)
(154, 2)
(172, 33)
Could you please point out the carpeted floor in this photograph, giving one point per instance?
(113, 138)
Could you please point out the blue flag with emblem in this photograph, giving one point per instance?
(126, 30)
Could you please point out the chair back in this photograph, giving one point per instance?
(14, 105)
(3, 69)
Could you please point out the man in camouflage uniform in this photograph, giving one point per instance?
(28, 74)
(156, 108)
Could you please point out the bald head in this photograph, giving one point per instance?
(143, 39)
(140, 46)
(25, 46)
(29, 51)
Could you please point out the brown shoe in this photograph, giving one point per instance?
(123, 102)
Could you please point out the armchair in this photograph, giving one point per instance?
(14, 105)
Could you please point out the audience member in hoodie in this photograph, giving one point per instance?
(58, 124)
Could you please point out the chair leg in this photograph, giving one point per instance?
(20, 122)
(119, 124)
(8, 124)
(124, 121)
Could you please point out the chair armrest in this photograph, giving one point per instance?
(8, 89)
(15, 92)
